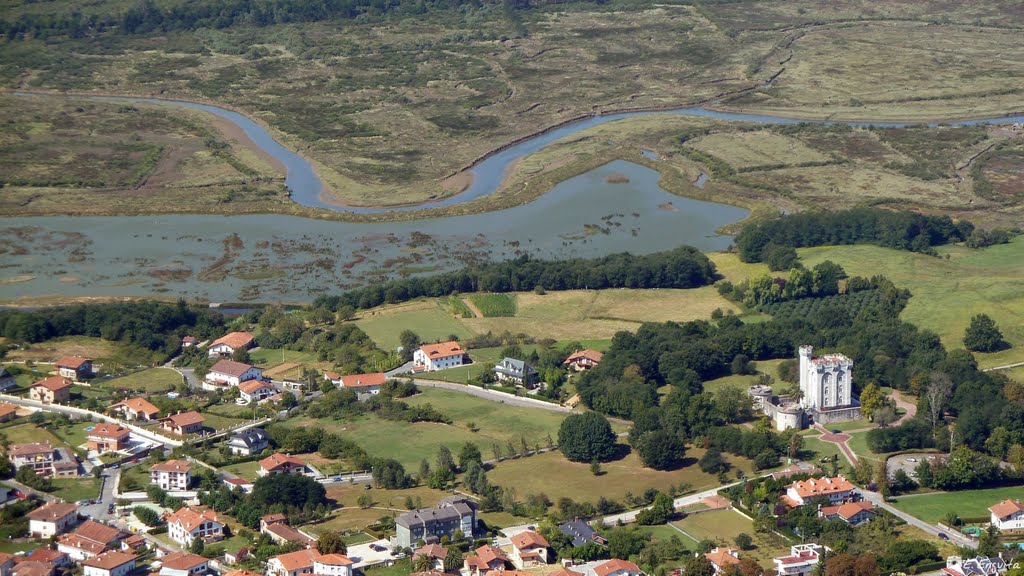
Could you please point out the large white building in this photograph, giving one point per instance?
(1008, 515)
(309, 562)
(187, 524)
(826, 382)
(431, 357)
(172, 475)
(836, 490)
(52, 519)
(112, 563)
(801, 561)
(231, 373)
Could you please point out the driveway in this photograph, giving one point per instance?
(934, 530)
(98, 511)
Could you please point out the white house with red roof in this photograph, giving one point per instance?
(51, 519)
(52, 390)
(107, 437)
(255, 391)
(332, 377)
(231, 373)
(74, 367)
(187, 524)
(282, 464)
(182, 423)
(617, 567)
(183, 564)
(89, 540)
(227, 345)
(309, 562)
(583, 360)
(431, 357)
(111, 563)
(1008, 515)
(485, 559)
(364, 383)
(436, 552)
(801, 561)
(136, 409)
(529, 549)
(172, 475)
(853, 513)
(723, 558)
(836, 490)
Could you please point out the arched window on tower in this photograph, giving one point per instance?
(841, 388)
(826, 390)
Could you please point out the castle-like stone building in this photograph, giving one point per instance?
(826, 393)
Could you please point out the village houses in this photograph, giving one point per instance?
(276, 527)
(51, 519)
(436, 552)
(249, 442)
(1008, 515)
(105, 437)
(364, 383)
(485, 559)
(136, 409)
(802, 560)
(8, 412)
(172, 475)
(722, 559)
(282, 464)
(529, 549)
(229, 343)
(52, 390)
(583, 360)
(183, 564)
(853, 513)
(432, 357)
(112, 563)
(74, 367)
(617, 567)
(7, 380)
(182, 423)
(255, 391)
(43, 459)
(187, 524)
(309, 561)
(836, 490)
(231, 373)
(88, 540)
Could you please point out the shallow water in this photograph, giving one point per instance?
(290, 259)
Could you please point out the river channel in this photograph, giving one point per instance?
(289, 259)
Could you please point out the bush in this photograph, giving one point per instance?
(147, 516)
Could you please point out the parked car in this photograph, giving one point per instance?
(943, 536)
(911, 459)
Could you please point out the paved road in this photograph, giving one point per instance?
(630, 516)
(932, 529)
(98, 511)
(495, 396)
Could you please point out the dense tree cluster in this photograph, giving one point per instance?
(149, 325)
(684, 267)
(982, 335)
(586, 437)
(900, 230)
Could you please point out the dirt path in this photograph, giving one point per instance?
(902, 402)
(472, 307)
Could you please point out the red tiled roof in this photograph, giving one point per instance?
(234, 340)
(242, 573)
(52, 511)
(185, 418)
(614, 565)
(183, 561)
(140, 405)
(433, 550)
(529, 539)
(110, 560)
(275, 461)
(297, 560)
(443, 349)
(253, 386)
(172, 466)
(40, 555)
(364, 380)
(721, 557)
(592, 355)
(31, 568)
(332, 375)
(335, 560)
(190, 518)
(288, 533)
(1006, 508)
(106, 430)
(489, 553)
(95, 532)
(231, 368)
(7, 409)
(54, 383)
(73, 362)
(821, 486)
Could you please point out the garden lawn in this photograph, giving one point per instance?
(424, 317)
(722, 527)
(151, 381)
(74, 489)
(410, 442)
(246, 470)
(27, 433)
(814, 450)
(665, 532)
(218, 422)
(934, 506)
(270, 356)
(557, 477)
(859, 444)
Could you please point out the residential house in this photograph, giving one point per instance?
(1008, 515)
(516, 372)
(332, 377)
(136, 543)
(436, 552)
(431, 357)
(187, 524)
(52, 390)
(51, 519)
(485, 559)
(189, 341)
(529, 549)
(282, 464)
(453, 514)
(227, 345)
(182, 423)
(8, 412)
(581, 533)
(245, 485)
(977, 566)
(616, 567)
(255, 391)
(32, 568)
(6, 563)
(231, 373)
(49, 556)
(836, 490)
(105, 437)
(364, 383)
(7, 380)
(172, 475)
(583, 360)
(112, 563)
(309, 561)
(853, 513)
(183, 564)
(136, 409)
(276, 527)
(723, 558)
(89, 540)
(249, 442)
(36, 455)
(801, 561)
(74, 367)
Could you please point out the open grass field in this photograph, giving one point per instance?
(722, 527)
(72, 489)
(51, 350)
(152, 381)
(424, 317)
(26, 433)
(815, 450)
(554, 475)
(246, 470)
(495, 422)
(759, 148)
(969, 503)
(948, 292)
(494, 305)
(271, 356)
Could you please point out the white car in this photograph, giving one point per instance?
(911, 459)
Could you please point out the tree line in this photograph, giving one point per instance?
(899, 230)
(683, 267)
